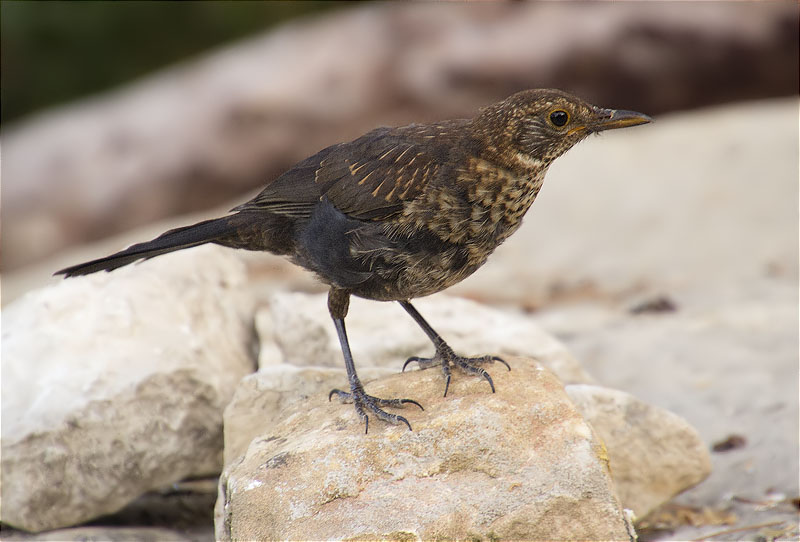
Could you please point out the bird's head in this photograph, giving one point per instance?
(534, 127)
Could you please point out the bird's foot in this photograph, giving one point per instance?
(446, 357)
(364, 403)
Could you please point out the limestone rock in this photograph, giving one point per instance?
(727, 363)
(106, 534)
(653, 453)
(518, 464)
(263, 399)
(296, 328)
(114, 384)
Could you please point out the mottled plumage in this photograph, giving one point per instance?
(402, 212)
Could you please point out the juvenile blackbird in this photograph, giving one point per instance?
(401, 212)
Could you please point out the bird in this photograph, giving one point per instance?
(401, 213)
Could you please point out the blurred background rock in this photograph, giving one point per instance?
(118, 114)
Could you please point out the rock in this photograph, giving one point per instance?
(653, 453)
(106, 534)
(264, 399)
(296, 328)
(518, 464)
(728, 365)
(114, 384)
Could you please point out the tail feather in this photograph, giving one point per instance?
(208, 231)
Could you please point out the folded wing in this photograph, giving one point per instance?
(367, 179)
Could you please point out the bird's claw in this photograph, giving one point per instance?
(446, 357)
(501, 360)
(364, 402)
(424, 363)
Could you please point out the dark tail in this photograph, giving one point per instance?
(208, 231)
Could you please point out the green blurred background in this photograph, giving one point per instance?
(54, 52)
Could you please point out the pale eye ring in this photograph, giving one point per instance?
(559, 118)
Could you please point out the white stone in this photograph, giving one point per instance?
(114, 384)
(264, 399)
(728, 369)
(518, 464)
(110, 534)
(653, 453)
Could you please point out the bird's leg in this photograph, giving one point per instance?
(338, 303)
(445, 356)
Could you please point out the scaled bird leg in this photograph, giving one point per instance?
(445, 356)
(338, 303)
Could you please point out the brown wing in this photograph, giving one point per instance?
(368, 178)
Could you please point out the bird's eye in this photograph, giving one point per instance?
(559, 117)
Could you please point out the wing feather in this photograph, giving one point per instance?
(368, 179)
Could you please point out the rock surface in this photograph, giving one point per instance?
(518, 464)
(264, 399)
(653, 454)
(729, 369)
(106, 534)
(296, 328)
(114, 384)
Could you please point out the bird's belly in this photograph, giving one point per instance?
(419, 265)
(387, 261)
(411, 276)
(404, 264)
